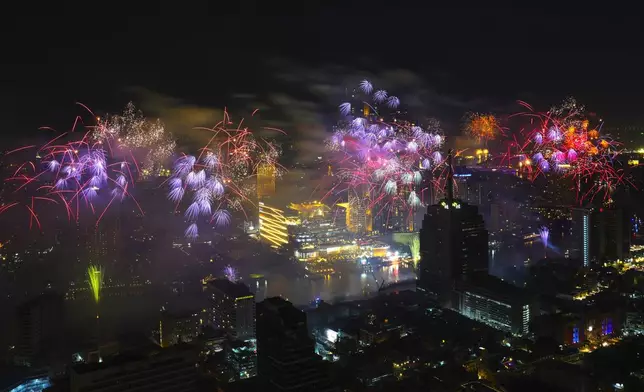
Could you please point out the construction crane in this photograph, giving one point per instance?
(381, 285)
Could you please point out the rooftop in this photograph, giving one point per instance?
(233, 289)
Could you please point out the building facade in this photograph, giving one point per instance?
(232, 308)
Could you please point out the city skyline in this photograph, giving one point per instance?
(329, 197)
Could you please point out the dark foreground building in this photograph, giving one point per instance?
(453, 245)
(171, 369)
(287, 361)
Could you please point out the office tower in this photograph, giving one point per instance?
(453, 244)
(580, 235)
(599, 234)
(613, 234)
(272, 226)
(487, 299)
(266, 175)
(168, 370)
(233, 308)
(38, 329)
(287, 360)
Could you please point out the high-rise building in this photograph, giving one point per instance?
(613, 236)
(266, 176)
(599, 234)
(287, 360)
(580, 235)
(233, 308)
(272, 226)
(487, 299)
(359, 217)
(177, 328)
(453, 244)
(38, 329)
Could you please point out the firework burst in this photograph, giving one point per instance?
(216, 181)
(75, 170)
(138, 135)
(382, 162)
(483, 127)
(566, 142)
(230, 273)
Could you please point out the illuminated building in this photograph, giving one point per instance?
(325, 342)
(266, 175)
(599, 234)
(453, 244)
(311, 210)
(358, 214)
(581, 230)
(577, 327)
(233, 308)
(272, 226)
(322, 235)
(241, 356)
(178, 328)
(482, 155)
(496, 303)
(287, 360)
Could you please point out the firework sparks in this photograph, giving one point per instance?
(230, 273)
(135, 133)
(216, 181)
(482, 127)
(563, 143)
(95, 278)
(382, 162)
(75, 169)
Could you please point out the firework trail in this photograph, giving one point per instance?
(563, 143)
(216, 181)
(76, 171)
(95, 278)
(381, 161)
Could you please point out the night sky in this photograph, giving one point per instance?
(194, 56)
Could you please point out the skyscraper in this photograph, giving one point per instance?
(287, 360)
(613, 237)
(233, 308)
(39, 326)
(453, 244)
(266, 176)
(599, 234)
(580, 235)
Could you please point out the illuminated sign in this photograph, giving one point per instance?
(331, 336)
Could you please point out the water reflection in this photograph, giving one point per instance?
(348, 285)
